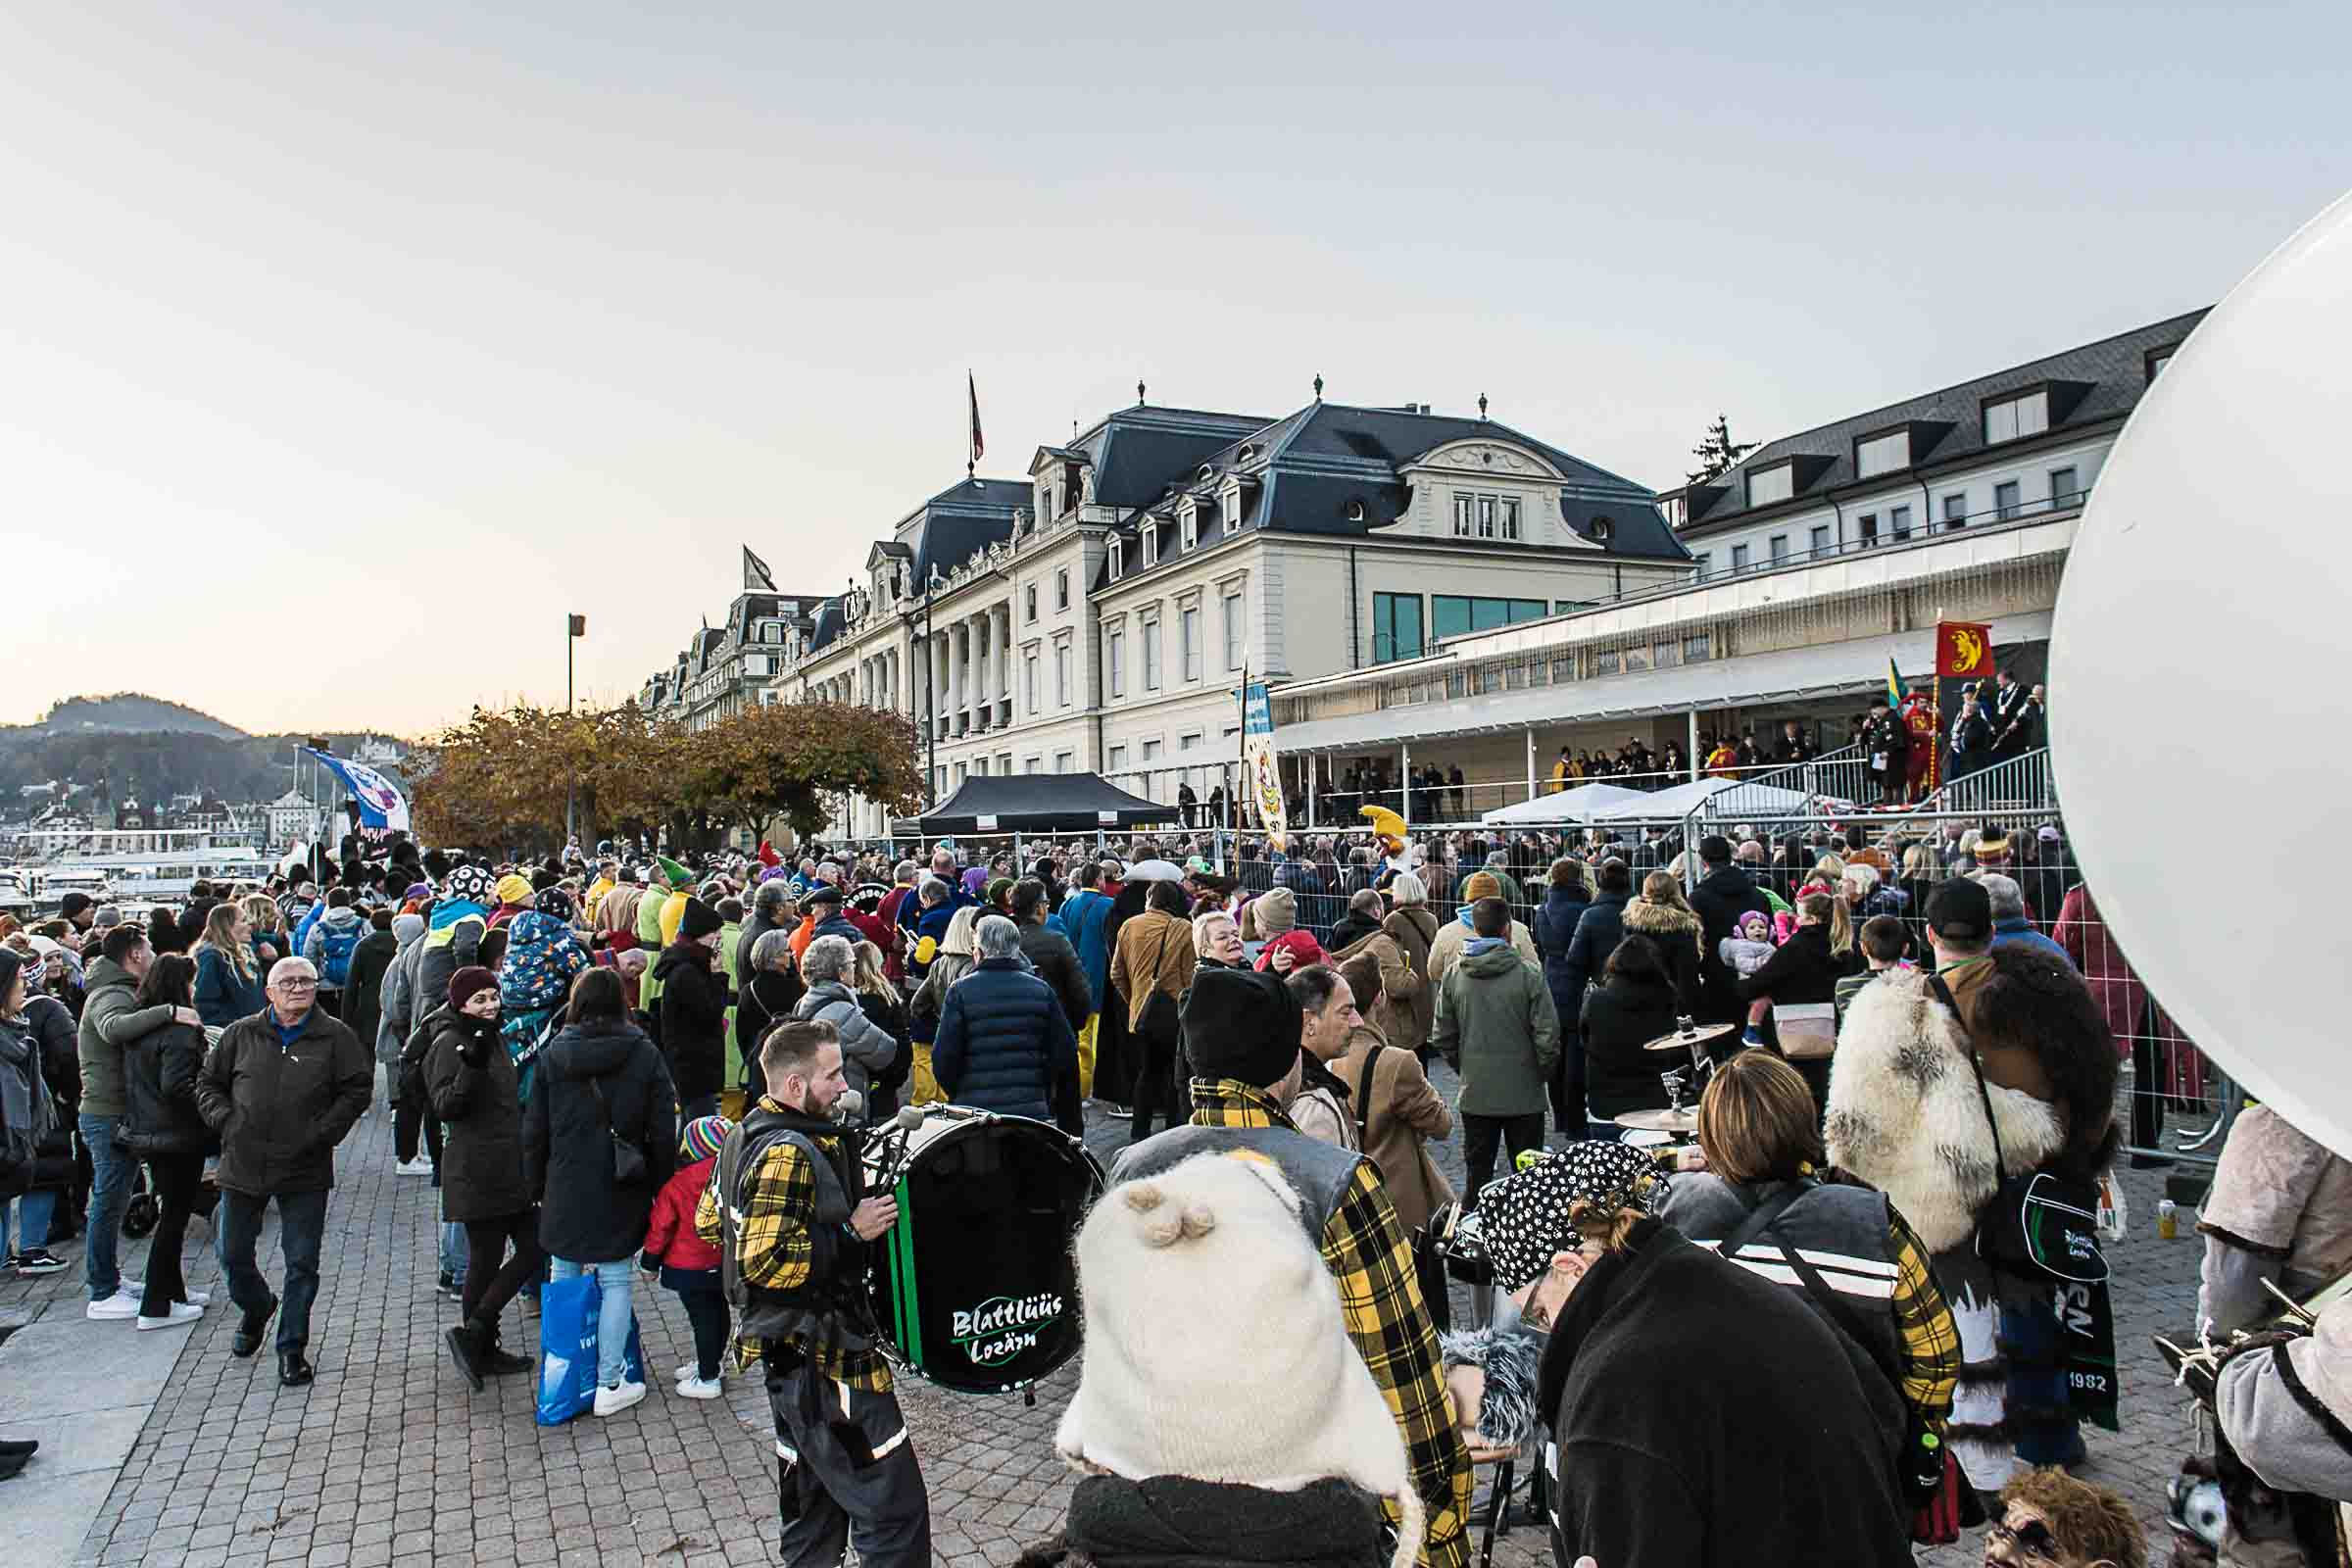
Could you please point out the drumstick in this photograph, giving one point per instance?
(2291, 1304)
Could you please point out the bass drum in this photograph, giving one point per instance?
(975, 1287)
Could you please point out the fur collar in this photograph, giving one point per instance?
(1656, 919)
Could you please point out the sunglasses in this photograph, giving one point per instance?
(2032, 1540)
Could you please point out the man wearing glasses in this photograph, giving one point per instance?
(283, 1089)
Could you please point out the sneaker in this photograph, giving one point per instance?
(419, 1166)
(682, 1373)
(698, 1387)
(618, 1397)
(181, 1313)
(124, 1303)
(198, 1297)
(445, 1285)
(1117, 1112)
(40, 1261)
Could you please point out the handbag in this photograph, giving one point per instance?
(628, 1161)
(1806, 1030)
(1429, 1262)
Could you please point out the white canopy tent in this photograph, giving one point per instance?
(1579, 804)
(1758, 800)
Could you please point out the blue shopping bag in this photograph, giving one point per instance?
(568, 1348)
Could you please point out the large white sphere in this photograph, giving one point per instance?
(2200, 662)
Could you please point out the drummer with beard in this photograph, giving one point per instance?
(792, 1237)
(1241, 1035)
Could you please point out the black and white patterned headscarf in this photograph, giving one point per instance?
(470, 883)
(1525, 1215)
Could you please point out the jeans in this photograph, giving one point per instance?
(2040, 1417)
(33, 1211)
(301, 1226)
(456, 1255)
(1480, 1135)
(612, 1320)
(110, 1195)
(176, 1179)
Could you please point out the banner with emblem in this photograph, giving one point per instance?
(1963, 649)
(381, 805)
(1261, 765)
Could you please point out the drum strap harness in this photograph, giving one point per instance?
(829, 1308)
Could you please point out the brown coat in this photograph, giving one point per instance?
(1155, 952)
(1407, 1005)
(1406, 1110)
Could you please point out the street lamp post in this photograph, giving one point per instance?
(575, 628)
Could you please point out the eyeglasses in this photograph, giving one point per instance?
(2034, 1539)
(294, 983)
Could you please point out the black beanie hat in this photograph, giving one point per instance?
(1240, 1024)
(697, 920)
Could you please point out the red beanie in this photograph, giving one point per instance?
(468, 981)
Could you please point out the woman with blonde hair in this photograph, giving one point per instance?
(958, 950)
(269, 939)
(228, 975)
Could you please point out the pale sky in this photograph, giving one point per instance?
(344, 355)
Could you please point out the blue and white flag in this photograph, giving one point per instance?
(380, 805)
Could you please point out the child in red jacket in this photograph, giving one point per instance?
(688, 1265)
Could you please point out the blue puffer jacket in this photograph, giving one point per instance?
(1005, 1046)
(1083, 917)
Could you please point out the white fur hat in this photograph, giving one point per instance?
(1215, 1347)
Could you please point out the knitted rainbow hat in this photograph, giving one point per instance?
(703, 1136)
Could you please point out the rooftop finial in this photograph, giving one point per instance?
(1318, 386)
(1139, 392)
(1482, 405)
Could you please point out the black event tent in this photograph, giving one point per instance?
(1036, 803)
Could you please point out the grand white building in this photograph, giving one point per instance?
(1100, 615)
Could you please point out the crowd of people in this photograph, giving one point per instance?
(617, 1065)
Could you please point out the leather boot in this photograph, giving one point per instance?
(465, 1349)
(499, 1362)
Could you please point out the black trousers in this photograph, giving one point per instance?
(1568, 1078)
(177, 1178)
(846, 1471)
(1157, 1090)
(706, 1311)
(493, 1274)
(1480, 1135)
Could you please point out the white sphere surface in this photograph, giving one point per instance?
(2198, 670)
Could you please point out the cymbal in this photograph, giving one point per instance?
(1699, 1035)
(1659, 1121)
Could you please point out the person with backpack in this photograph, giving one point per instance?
(1759, 1203)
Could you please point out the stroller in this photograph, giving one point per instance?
(143, 1209)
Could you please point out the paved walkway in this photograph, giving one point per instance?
(388, 1460)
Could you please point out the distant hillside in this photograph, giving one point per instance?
(132, 714)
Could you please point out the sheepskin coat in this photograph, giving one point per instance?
(1904, 1113)
(1676, 933)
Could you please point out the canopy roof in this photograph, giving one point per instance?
(1037, 802)
(1578, 805)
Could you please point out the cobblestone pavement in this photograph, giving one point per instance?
(388, 1460)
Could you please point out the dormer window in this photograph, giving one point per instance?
(1118, 558)
(1151, 542)
(2158, 358)
(1774, 484)
(1188, 523)
(1883, 454)
(2012, 419)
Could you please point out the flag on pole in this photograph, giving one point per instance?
(580, 625)
(381, 805)
(1894, 685)
(1262, 768)
(978, 446)
(756, 574)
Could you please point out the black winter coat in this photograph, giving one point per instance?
(586, 1217)
(1350, 929)
(364, 991)
(1801, 969)
(280, 1111)
(694, 1019)
(1599, 930)
(1720, 899)
(1709, 1418)
(1049, 953)
(1619, 1075)
(474, 1088)
(765, 1001)
(1554, 930)
(1004, 1045)
(160, 1069)
(53, 1026)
